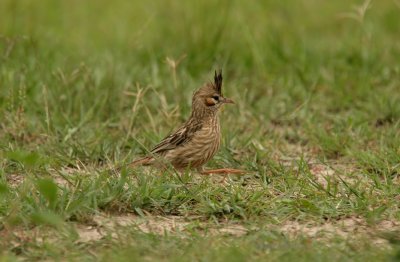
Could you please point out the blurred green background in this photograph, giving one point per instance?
(74, 69)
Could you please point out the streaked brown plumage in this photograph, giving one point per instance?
(198, 139)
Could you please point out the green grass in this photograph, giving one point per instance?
(88, 86)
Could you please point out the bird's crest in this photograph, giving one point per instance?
(218, 81)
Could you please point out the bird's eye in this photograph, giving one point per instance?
(216, 98)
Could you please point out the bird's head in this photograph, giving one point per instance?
(208, 99)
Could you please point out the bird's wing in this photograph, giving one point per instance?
(180, 137)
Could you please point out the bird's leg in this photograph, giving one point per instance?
(207, 172)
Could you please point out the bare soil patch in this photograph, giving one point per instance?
(347, 228)
(160, 225)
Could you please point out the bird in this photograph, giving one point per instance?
(194, 143)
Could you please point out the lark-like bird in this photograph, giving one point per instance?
(198, 139)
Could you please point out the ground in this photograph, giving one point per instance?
(87, 87)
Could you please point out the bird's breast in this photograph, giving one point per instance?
(203, 146)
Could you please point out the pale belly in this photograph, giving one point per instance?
(203, 146)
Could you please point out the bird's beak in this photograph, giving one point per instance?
(228, 101)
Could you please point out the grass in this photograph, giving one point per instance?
(85, 87)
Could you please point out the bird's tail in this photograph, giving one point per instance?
(144, 161)
(148, 160)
